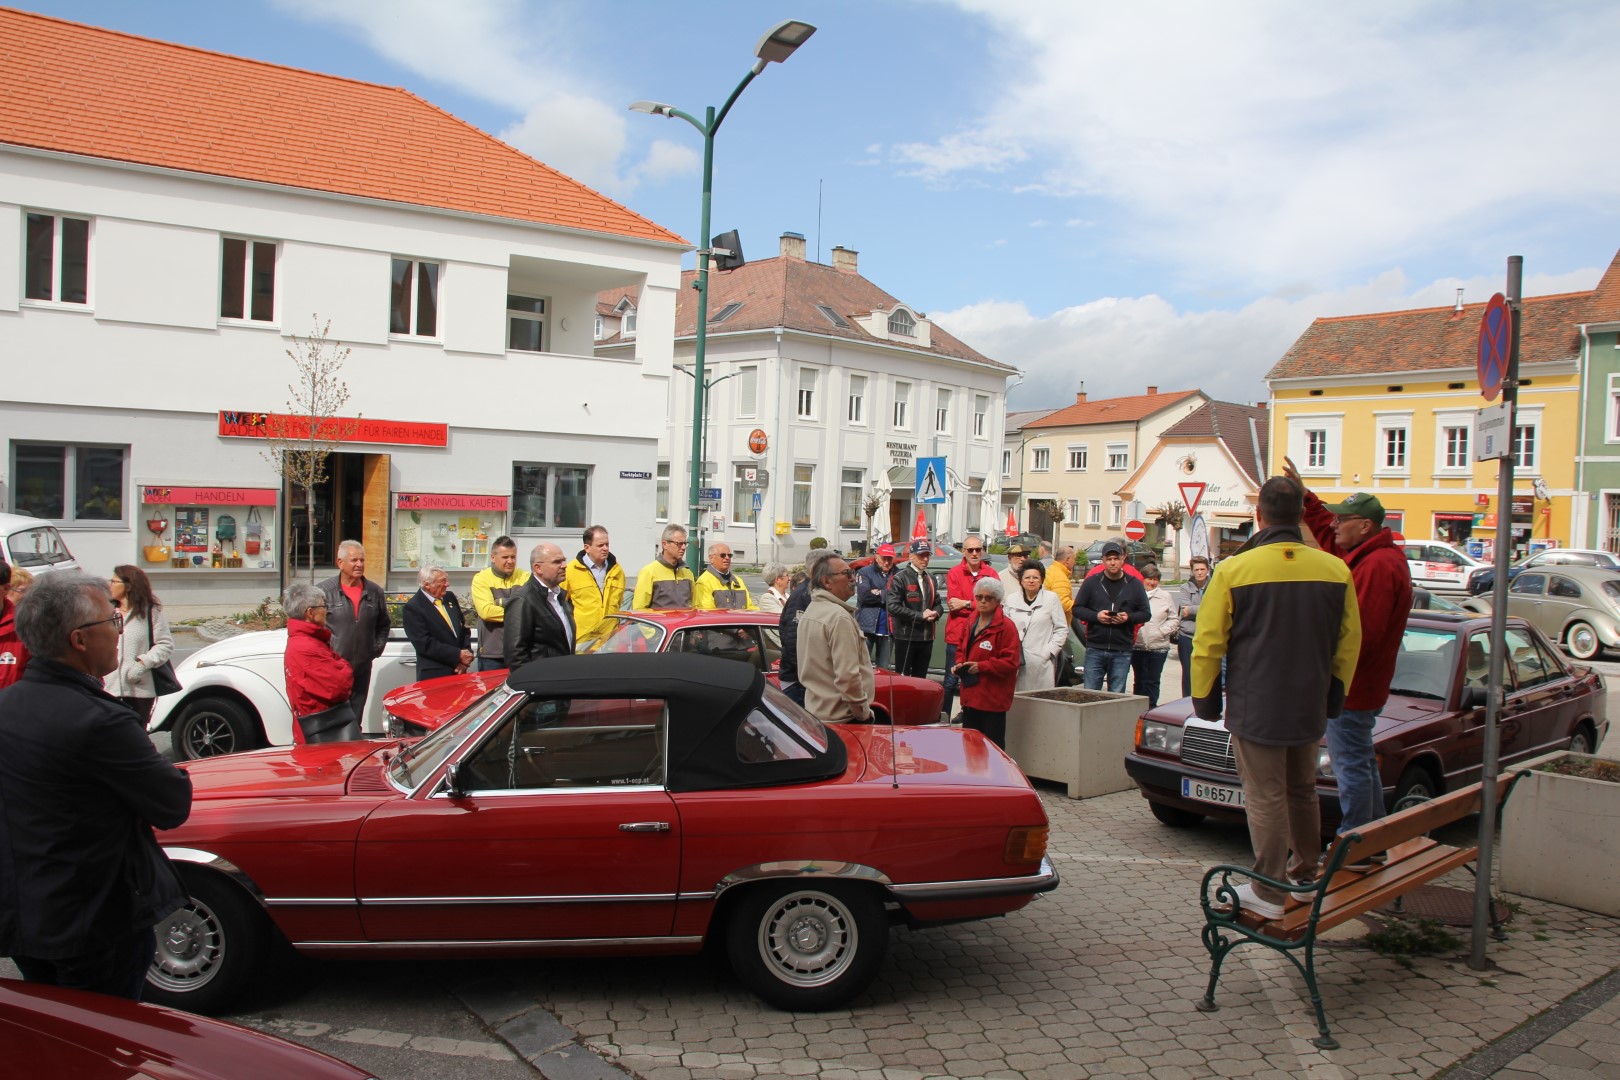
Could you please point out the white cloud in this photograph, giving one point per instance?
(1121, 345)
(1266, 141)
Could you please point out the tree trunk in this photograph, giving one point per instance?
(309, 521)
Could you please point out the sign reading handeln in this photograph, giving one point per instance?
(930, 480)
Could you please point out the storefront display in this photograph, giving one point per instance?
(207, 528)
(452, 531)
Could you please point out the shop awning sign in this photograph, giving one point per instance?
(239, 424)
(415, 500)
(166, 495)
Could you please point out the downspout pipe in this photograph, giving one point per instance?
(1584, 500)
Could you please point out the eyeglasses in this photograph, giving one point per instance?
(721, 554)
(972, 551)
(117, 619)
(676, 543)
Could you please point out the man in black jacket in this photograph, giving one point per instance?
(540, 618)
(82, 879)
(434, 624)
(1110, 607)
(916, 608)
(357, 615)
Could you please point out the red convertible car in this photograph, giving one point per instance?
(750, 637)
(616, 804)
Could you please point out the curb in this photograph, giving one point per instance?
(1535, 1031)
(553, 1048)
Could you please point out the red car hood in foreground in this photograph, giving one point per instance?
(942, 756)
(429, 704)
(281, 771)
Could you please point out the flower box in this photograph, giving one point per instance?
(1561, 834)
(1075, 737)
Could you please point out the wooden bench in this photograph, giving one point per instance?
(1340, 895)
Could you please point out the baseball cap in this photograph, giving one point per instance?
(1360, 505)
(921, 547)
(1113, 547)
(886, 549)
(1018, 549)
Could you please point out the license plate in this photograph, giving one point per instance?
(1220, 794)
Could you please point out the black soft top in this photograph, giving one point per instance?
(709, 701)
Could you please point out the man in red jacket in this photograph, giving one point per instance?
(1354, 531)
(959, 607)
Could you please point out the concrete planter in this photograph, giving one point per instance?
(1075, 737)
(1561, 838)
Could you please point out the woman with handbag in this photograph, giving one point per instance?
(144, 644)
(318, 680)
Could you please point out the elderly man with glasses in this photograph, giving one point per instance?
(81, 789)
(717, 588)
(834, 667)
(666, 582)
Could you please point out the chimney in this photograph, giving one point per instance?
(1458, 309)
(793, 246)
(1152, 390)
(844, 260)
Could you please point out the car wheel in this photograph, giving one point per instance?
(1582, 742)
(212, 725)
(807, 947)
(1416, 785)
(208, 950)
(1175, 816)
(1582, 641)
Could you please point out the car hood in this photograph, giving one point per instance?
(429, 704)
(940, 756)
(286, 771)
(1397, 711)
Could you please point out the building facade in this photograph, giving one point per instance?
(1597, 470)
(174, 237)
(846, 386)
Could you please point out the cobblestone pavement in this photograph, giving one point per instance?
(1096, 979)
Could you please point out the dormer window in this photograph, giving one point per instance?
(626, 311)
(902, 324)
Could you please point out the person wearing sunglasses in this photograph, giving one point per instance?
(834, 667)
(81, 789)
(717, 588)
(666, 582)
(959, 606)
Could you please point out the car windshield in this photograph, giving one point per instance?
(1424, 666)
(622, 634)
(416, 762)
(41, 546)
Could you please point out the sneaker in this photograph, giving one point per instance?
(1304, 891)
(1248, 901)
(1365, 865)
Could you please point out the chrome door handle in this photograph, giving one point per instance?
(644, 826)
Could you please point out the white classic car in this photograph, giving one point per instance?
(234, 694)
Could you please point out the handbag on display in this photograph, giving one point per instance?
(255, 531)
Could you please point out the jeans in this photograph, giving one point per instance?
(795, 691)
(1146, 667)
(881, 648)
(1350, 746)
(1115, 664)
(118, 970)
(490, 663)
(951, 682)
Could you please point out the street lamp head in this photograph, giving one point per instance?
(655, 108)
(780, 41)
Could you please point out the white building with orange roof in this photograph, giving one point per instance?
(176, 217)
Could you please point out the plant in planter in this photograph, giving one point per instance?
(1076, 737)
(1560, 840)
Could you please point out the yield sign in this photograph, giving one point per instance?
(1190, 494)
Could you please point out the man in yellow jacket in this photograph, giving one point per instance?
(1060, 579)
(717, 588)
(666, 582)
(594, 582)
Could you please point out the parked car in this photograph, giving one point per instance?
(1484, 579)
(1576, 606)
(51, 1032)
(1137, 554)
(1438, 567)
(34, 544)
(1428, 738)
(614, 804)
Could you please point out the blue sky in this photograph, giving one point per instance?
(1119, 194)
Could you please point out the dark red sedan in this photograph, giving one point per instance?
(1429, 738)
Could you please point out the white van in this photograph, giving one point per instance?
(34, 545)
(1438, 567)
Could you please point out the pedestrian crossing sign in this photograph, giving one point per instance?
(931, 480)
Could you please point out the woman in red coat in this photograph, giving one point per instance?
(987, 663)
(317, 678)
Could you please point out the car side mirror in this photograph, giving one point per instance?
(452, 781)
(1474, 697)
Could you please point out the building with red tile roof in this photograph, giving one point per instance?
(178, 220)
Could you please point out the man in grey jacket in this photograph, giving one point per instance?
(1188, 597)
(357, 615)
(834, 666)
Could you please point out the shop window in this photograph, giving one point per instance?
(56, 259)
(857, 400)
(525, 323)
(850, 492)
(742, 491)
(207, 528)
(803, 489)
(75, 485)
(247, 288)
(414, 299)
(546, 497)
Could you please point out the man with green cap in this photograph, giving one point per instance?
(1354, 531)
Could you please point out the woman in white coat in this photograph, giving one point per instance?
(1154, 638)
(1038, 615)
(144, 643)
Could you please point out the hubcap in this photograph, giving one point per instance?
(808, 940)
(209, 735)
(1582, 641)
(190, 946)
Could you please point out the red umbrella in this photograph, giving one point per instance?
(919, 531)
(1012, 523)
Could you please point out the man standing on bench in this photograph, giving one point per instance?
(1284, 616)
(1354, 531)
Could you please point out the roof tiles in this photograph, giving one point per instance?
(1117, 410)
(83, 90)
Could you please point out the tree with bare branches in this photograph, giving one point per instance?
(1053, 509)
(301, 441)
(1173, 514)
(870, 506)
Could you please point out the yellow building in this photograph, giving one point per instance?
(1386, 403)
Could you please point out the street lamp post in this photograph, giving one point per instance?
(776, 46)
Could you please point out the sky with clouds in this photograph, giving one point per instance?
(1114, 194)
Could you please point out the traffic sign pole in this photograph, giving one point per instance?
(1491, 342)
